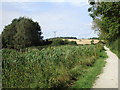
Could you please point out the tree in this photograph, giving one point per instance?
(8, 33)
(106, 19)
(0, 41)
(22, 32)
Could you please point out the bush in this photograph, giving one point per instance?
(114, 46)
(57, 42)
(72, 43)
(92, 41)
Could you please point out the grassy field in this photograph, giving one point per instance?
(83, 41)
(52, 67)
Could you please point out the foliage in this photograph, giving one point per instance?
(94, 38)
(106, 18)
(92, 41)
(89, 77)
(106, 21)
(115, 47)
(47, 42)
(64, 38)
(22, 32)
(47, 68)
(72, 42)
(0, 41)
(59, 41)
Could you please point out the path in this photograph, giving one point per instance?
(109, 77)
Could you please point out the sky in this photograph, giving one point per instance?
(66, 18)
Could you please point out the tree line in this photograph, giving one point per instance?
(63, 38)
(106, 20)
(24, 32)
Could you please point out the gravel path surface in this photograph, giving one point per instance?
(109, 77)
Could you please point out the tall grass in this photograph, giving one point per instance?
(88, 79)
(50, 67)
(114, 47)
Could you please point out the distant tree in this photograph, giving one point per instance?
(94, 38)
(92, 41)
(0, 41)
(22, 32)
(58, 41)
(69, 37)
(64, 38)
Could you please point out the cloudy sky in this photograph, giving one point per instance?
(66, 18)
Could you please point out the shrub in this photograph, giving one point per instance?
(57, 42)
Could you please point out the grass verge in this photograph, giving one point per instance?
(116, 52)
(87, 80)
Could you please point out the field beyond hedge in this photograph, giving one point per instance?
(52, 67)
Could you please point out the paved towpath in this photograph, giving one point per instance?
(109, 77)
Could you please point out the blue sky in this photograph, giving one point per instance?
(66, 18)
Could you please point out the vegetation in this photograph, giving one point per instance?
(0, 69)
(0, 41)
(115, 47)
(89, 77)
(64, 38)
(50, 63)
(50, 67)
(92, 41)
(107, 22)
(21, 33)
(59, 41)
(94, 38)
